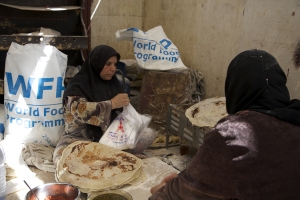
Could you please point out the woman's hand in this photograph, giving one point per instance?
(119, 101)
(163, 182)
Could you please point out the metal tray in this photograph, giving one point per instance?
(179, 124)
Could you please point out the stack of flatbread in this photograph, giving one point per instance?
(208, 112)
(93, 166)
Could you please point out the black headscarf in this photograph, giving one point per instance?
(255, 81)
(88, 83)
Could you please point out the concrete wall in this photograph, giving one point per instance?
(208, 33)
(111, 16)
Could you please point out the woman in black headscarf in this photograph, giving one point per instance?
(92, 99)
(253, 153)
(255, 81)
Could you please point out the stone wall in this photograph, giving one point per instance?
(208, 33)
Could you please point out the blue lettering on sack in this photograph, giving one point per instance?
(42, 87)
(60, 87)
(13, 88)
(53, 111)
(145, 57)
(152, 52)
(28, 123)
(34, 111)
(165, 43)
(28, 111)
(147, 46)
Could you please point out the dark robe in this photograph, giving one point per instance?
(249, 155)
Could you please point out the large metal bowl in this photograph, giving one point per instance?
(53, 191)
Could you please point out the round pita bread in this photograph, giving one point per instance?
(93, 166)
(208, 112)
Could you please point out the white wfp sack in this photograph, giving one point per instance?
(33, 90)
(123, 133)
(153, 50)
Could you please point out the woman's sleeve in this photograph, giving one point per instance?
(93, 113)
(210, 174)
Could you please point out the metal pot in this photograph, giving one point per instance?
(59, 191)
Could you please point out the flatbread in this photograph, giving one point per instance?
(93, 166)
(208, 112)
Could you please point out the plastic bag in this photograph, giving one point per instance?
(146, 138)
(123, 133)
(153, 50)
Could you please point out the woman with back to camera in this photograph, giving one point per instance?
(253, 153)
(92, 99)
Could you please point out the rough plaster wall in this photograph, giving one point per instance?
(114, 15)
(208, 33)
(278, 31)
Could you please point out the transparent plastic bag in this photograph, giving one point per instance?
(123, 133)
(146, 138)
